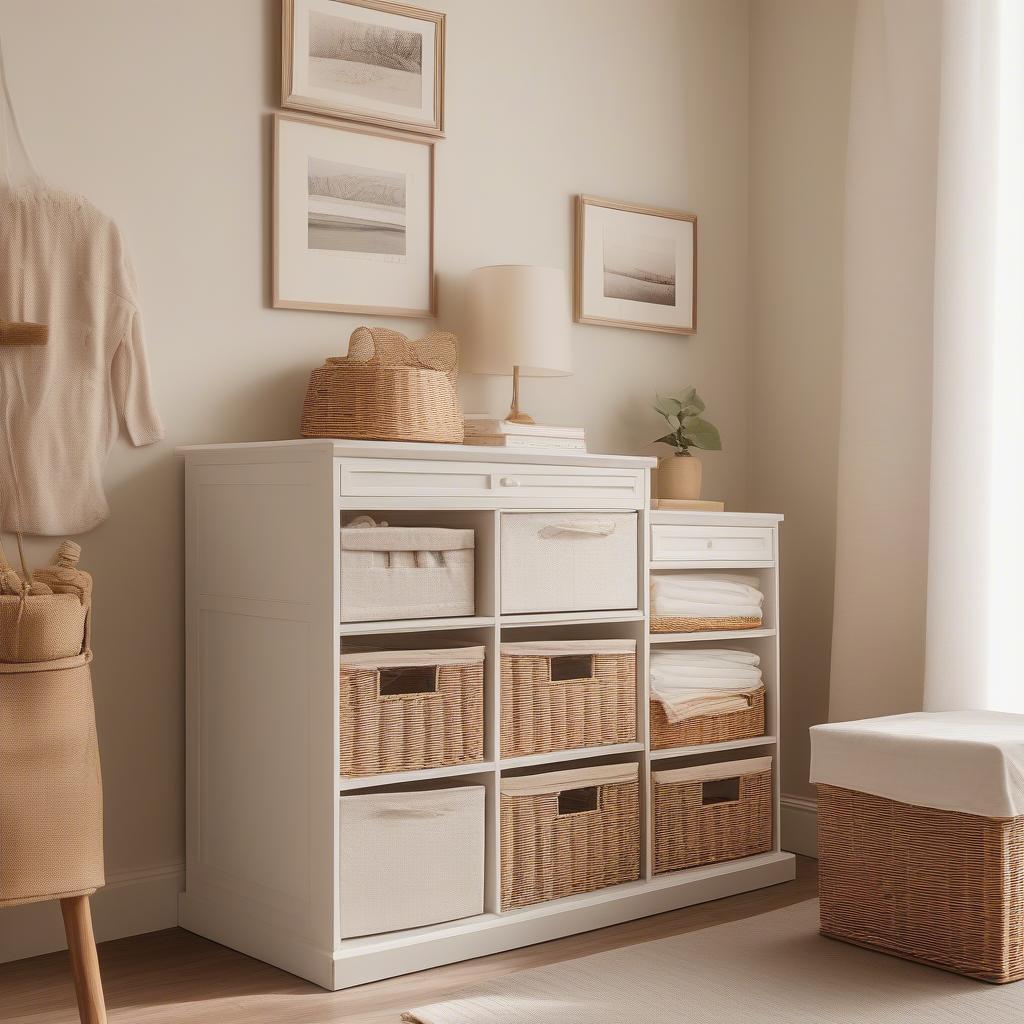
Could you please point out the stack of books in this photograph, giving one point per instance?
(498, 433)
(687, 505)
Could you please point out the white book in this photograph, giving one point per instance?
(563, 444)
(477, 424)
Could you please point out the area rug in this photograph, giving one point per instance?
(770, 969)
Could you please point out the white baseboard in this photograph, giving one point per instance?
(800, 825)
(132, 902)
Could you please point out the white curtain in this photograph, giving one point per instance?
(929, 452)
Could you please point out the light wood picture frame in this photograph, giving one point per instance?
(353, 219)
(635, 266)
(369, 61)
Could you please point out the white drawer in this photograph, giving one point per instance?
(501, 484)
(568, 561)
(711, 544)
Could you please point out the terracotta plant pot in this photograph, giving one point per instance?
(679, 477)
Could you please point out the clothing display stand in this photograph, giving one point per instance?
(30, 692)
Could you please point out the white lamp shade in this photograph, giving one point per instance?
(519, 316)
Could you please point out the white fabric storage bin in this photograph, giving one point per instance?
(405, 572)
(410, 858)
(568, 561)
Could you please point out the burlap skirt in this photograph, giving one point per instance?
(51, 798)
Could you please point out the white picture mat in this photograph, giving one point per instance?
(328, 277)
(304, 90)
(593, 301)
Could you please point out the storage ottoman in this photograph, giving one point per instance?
(921, 838)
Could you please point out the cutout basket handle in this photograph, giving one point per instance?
(581, 800)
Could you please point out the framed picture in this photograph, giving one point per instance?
(365, 60)
(353, 219)
(636, 266)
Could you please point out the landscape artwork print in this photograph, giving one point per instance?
(365, 60)
(353, 218)
(635, 266)
(356, 209)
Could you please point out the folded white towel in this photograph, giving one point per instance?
(700, 682)
(705, 595)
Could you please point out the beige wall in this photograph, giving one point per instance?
(159, 112)
(800, 53)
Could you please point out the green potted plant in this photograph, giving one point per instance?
(679, 473)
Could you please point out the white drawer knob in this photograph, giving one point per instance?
(510, 481)
(710, 544)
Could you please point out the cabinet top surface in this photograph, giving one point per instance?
(414, 450)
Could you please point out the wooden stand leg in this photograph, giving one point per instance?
(85, 966)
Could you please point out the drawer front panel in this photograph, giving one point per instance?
(570, 561)
(498, 484)
(710, 544)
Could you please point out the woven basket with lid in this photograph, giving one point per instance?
(387, 388)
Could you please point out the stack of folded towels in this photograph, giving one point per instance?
(705, 596)
(691, 683)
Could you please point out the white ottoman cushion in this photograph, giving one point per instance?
(968, 761)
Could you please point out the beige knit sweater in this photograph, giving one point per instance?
(63, 265)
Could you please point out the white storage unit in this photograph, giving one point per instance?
(269, 837)
(410, 858)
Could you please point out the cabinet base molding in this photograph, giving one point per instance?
(360, 961)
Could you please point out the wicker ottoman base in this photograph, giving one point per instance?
(939, 887)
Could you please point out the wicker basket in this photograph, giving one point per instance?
(568, 832)
(682, 624)
(713, 812)
(387, 389)
(701, 729)
(407, 710)
(939, 887)
(559, 695)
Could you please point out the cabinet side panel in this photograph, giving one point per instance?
(259, 698)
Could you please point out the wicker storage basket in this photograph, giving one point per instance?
(681, 624)
(387, 388)
(405, 572)
(568, 832)
(410, 858)
(557, 695)
(407, 710)
(712, 812)
(701, 729)
(940, 887)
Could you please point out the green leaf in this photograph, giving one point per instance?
(668, 439)
(695, 406)
(701, 434)
(668, 406)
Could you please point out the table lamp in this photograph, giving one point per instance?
(519, 324)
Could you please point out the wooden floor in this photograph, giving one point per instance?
(175, 976)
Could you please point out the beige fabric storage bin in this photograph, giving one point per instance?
(410, 858)
(562, 694)
(408, 710)
(405, 572)
(568, 561)
(568, 832)
(711, 812)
